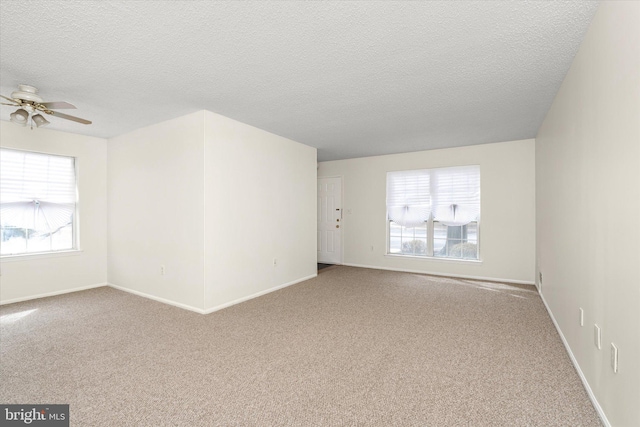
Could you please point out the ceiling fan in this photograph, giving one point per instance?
(26, 97)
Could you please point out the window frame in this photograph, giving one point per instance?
(75, 224)
(430, 236)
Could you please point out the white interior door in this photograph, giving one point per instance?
(330, 220)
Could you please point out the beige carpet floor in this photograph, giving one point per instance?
(352, 347)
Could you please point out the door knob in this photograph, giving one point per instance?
(337, 226)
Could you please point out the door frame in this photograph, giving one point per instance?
(342, 215)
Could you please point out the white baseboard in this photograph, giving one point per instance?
(51, 294)
(159, 299)
(216, 308)
(257, 294)
(586, 385)
(458, 276)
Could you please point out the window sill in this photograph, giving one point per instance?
(432, 258)
(40, 255)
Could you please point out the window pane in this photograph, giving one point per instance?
(394, 229)
(395, 245)
(421, 248)
(13, 241)
(439, 230)
(472, 232)
(38, 243)
(454, 232)
(63, 239)
(406, 246)
(414, 246)
(454, 248)
(470, 251)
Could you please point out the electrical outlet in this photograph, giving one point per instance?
(162, 270)
(581, 317)
(540, 275)
(597, 336)
(614, 358)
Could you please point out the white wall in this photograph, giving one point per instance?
(32, 276)
(260, 192)
(156, 210)
(214, 201)
(507, 229)
(588, 207)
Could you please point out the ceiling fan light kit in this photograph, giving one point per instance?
(39, 120)
(20, 117)
(31, 104)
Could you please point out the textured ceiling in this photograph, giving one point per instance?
(349, 78)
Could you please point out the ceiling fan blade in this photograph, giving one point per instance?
(60, 105)
(9, 99)
(68, 117)
(12, 105)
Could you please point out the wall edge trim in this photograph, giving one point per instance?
(158, 299)
(52, 294)
(258, 294)
(574, 361)
(430, 273)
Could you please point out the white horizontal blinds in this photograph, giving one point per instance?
(455, 194)
(408, 202)
(37, 191)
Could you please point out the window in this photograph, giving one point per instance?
(37, 202)
(434, 212)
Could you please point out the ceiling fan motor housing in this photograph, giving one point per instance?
(26, 93)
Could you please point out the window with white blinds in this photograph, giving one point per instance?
(37, 202)
(434, 212)
(408, 201)
(455, 194)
